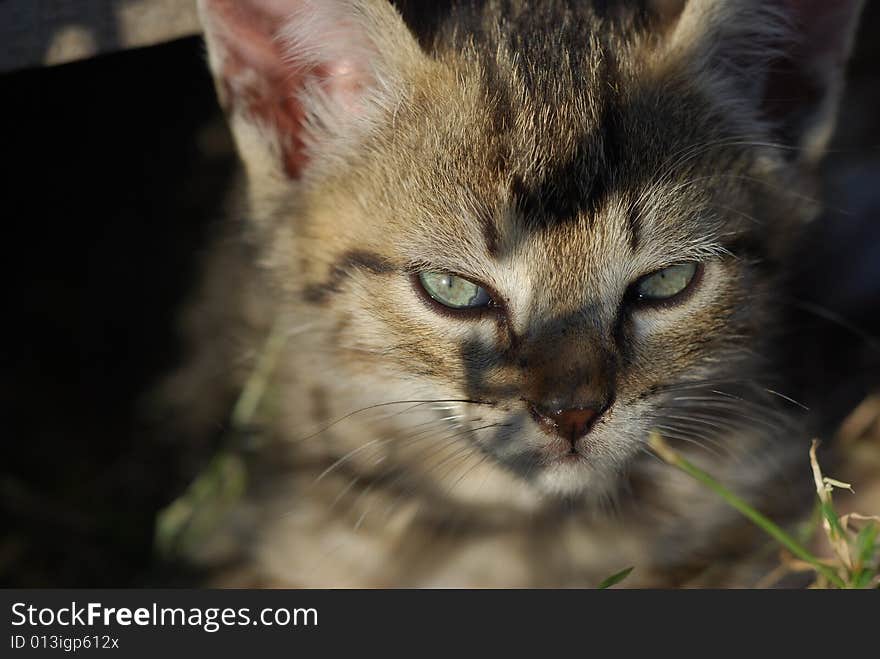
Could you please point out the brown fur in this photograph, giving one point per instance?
(555, 152)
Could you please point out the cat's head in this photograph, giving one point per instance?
(562, 219)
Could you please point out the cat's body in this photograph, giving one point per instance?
(549, 159)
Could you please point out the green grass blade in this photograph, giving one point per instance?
(615, 579)
(830, 515)
(668, 455)
(866, 543)
(863, 579)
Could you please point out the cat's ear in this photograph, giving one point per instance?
(295, 74)
(788, 56)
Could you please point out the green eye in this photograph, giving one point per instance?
(453, 291)
(667, 283)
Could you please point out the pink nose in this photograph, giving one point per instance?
(569, 424)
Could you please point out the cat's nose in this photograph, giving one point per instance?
(570, 424)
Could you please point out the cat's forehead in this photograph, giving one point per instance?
(553, 166)
(556, 150)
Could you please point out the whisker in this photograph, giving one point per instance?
(729, 410)
(387, 404)
(360, 520)
(348, 456)
(485, 456)
(354, 481)
(697, 418)
(446, 442)
(787, 398)
(679, 434)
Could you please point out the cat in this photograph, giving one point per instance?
(496, 244)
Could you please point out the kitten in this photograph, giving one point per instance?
(498, 243)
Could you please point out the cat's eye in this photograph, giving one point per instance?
(453, 291)
(666, 284)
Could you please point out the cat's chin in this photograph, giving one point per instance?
(572, 476)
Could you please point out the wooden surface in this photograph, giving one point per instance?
(44, 32)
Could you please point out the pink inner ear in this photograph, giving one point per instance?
(271, 100)
(255, 81)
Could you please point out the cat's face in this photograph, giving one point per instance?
(491, 265)
(566, 241)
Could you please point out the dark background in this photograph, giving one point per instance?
(115, 168)
(113, 171)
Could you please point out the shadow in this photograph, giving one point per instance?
(116, 168)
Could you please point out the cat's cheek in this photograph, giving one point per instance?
(449, 332)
